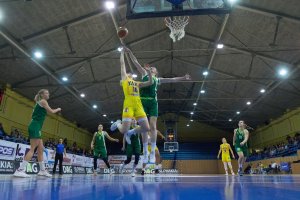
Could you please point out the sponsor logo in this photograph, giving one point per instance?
(79, 170)
(68, 169)
(169, 171)
(7, 151)
(6, 166)
(89, 170)
(32, 168)
(107, 171)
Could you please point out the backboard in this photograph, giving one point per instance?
(163, 8)
(171, 146)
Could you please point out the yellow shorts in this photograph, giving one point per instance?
(133, 109)
(149, 148)
(226, 158)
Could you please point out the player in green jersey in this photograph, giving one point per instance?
(240, 139)
(38, 117)
(134, 148)
(149, 100)
(99, 147)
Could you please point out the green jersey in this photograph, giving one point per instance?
(239, 137)
(36, 124)
(100, 140)
(150, 91)
(39, 113)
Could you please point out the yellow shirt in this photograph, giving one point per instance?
(225, 148)
(130, 88)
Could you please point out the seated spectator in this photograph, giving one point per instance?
(248, 169)
(274, 167)
(2, 132)
(65, 142)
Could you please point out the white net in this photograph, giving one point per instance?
(177, 26)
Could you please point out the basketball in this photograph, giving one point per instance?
(122, 32)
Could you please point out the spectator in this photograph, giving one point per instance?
(2, 132)
(274, 167)
(65, 142)
(248, 169)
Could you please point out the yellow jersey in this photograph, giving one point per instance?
(225, 148)
(130, 88)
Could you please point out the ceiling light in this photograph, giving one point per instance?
(230, 120)
(220, 46)
(262, 91)
(38, 54)
(95, 106)
(194, 104)
(205, 73)
(192, 113)
(134, 75)
(104, 115)
(202, 91)
(187, 125)
(120, 49)
(191, 120)
(109, 5)
(248, 103)
(238, 112)
(65, 79)
(82, 95)
(283, 72)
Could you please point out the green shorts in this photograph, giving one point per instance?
(150, 107)
(102, 153)
(242, 149)
(133, 149)
(34, 130)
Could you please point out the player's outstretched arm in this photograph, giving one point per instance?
(175, 79)
(135, 62)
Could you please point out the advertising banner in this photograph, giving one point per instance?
(7, 150)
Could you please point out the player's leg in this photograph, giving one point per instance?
(157, 160)
(153, 114)
(20, 172)
(225, 168)
(96, 154)
(136, 151)
(230, 167)
(124, 125)
(153, 138)
(40, 152)
(240, 162)
(128, 159)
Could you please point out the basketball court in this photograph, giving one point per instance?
(220, 66)
(152, 187)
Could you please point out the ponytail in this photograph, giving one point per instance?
(38, 96)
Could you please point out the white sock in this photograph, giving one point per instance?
(133, 168)
(42, 166)
(153, 146)
(240, 165)
(131, 132)
(145, 147)
(23, 165)
(156, 166)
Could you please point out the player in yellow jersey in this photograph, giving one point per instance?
(225, 148)
(132, 107)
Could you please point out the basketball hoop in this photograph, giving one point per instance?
(177, 26)
(171, 149)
